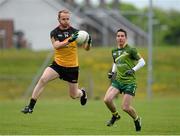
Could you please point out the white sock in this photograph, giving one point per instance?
(136, 118)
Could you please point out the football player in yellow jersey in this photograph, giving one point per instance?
(65, 65)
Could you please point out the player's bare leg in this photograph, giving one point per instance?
(75, 92)
(108, 100)
(48, 75)
(126, 106)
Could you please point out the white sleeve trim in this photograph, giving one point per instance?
(114, 68)
(140, 64)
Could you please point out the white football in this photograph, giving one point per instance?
(82, 37)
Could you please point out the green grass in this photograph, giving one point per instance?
(56, 113)
(18, 67)
(67, 117)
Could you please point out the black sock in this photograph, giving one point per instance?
(32, 103)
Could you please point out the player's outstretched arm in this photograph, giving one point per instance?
(57, 44)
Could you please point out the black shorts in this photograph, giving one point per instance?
(69, 74)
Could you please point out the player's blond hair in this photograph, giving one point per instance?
(63, 11)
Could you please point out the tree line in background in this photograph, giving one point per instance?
(166, 24)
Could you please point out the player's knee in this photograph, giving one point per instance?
(43, 80)
(125, 108)
(107, 100)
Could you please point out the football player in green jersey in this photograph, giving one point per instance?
(126, 62)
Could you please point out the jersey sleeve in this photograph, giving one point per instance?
(74, 30)
(53, 34)
(134, 54)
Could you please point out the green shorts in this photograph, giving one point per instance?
(125, 88)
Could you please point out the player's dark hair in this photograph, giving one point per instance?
(63, 11)
(122, 30)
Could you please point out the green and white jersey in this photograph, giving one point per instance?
(125, 59)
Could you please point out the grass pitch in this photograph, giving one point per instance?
(68, 117)
(57, 114)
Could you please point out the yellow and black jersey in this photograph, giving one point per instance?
(66, 56)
